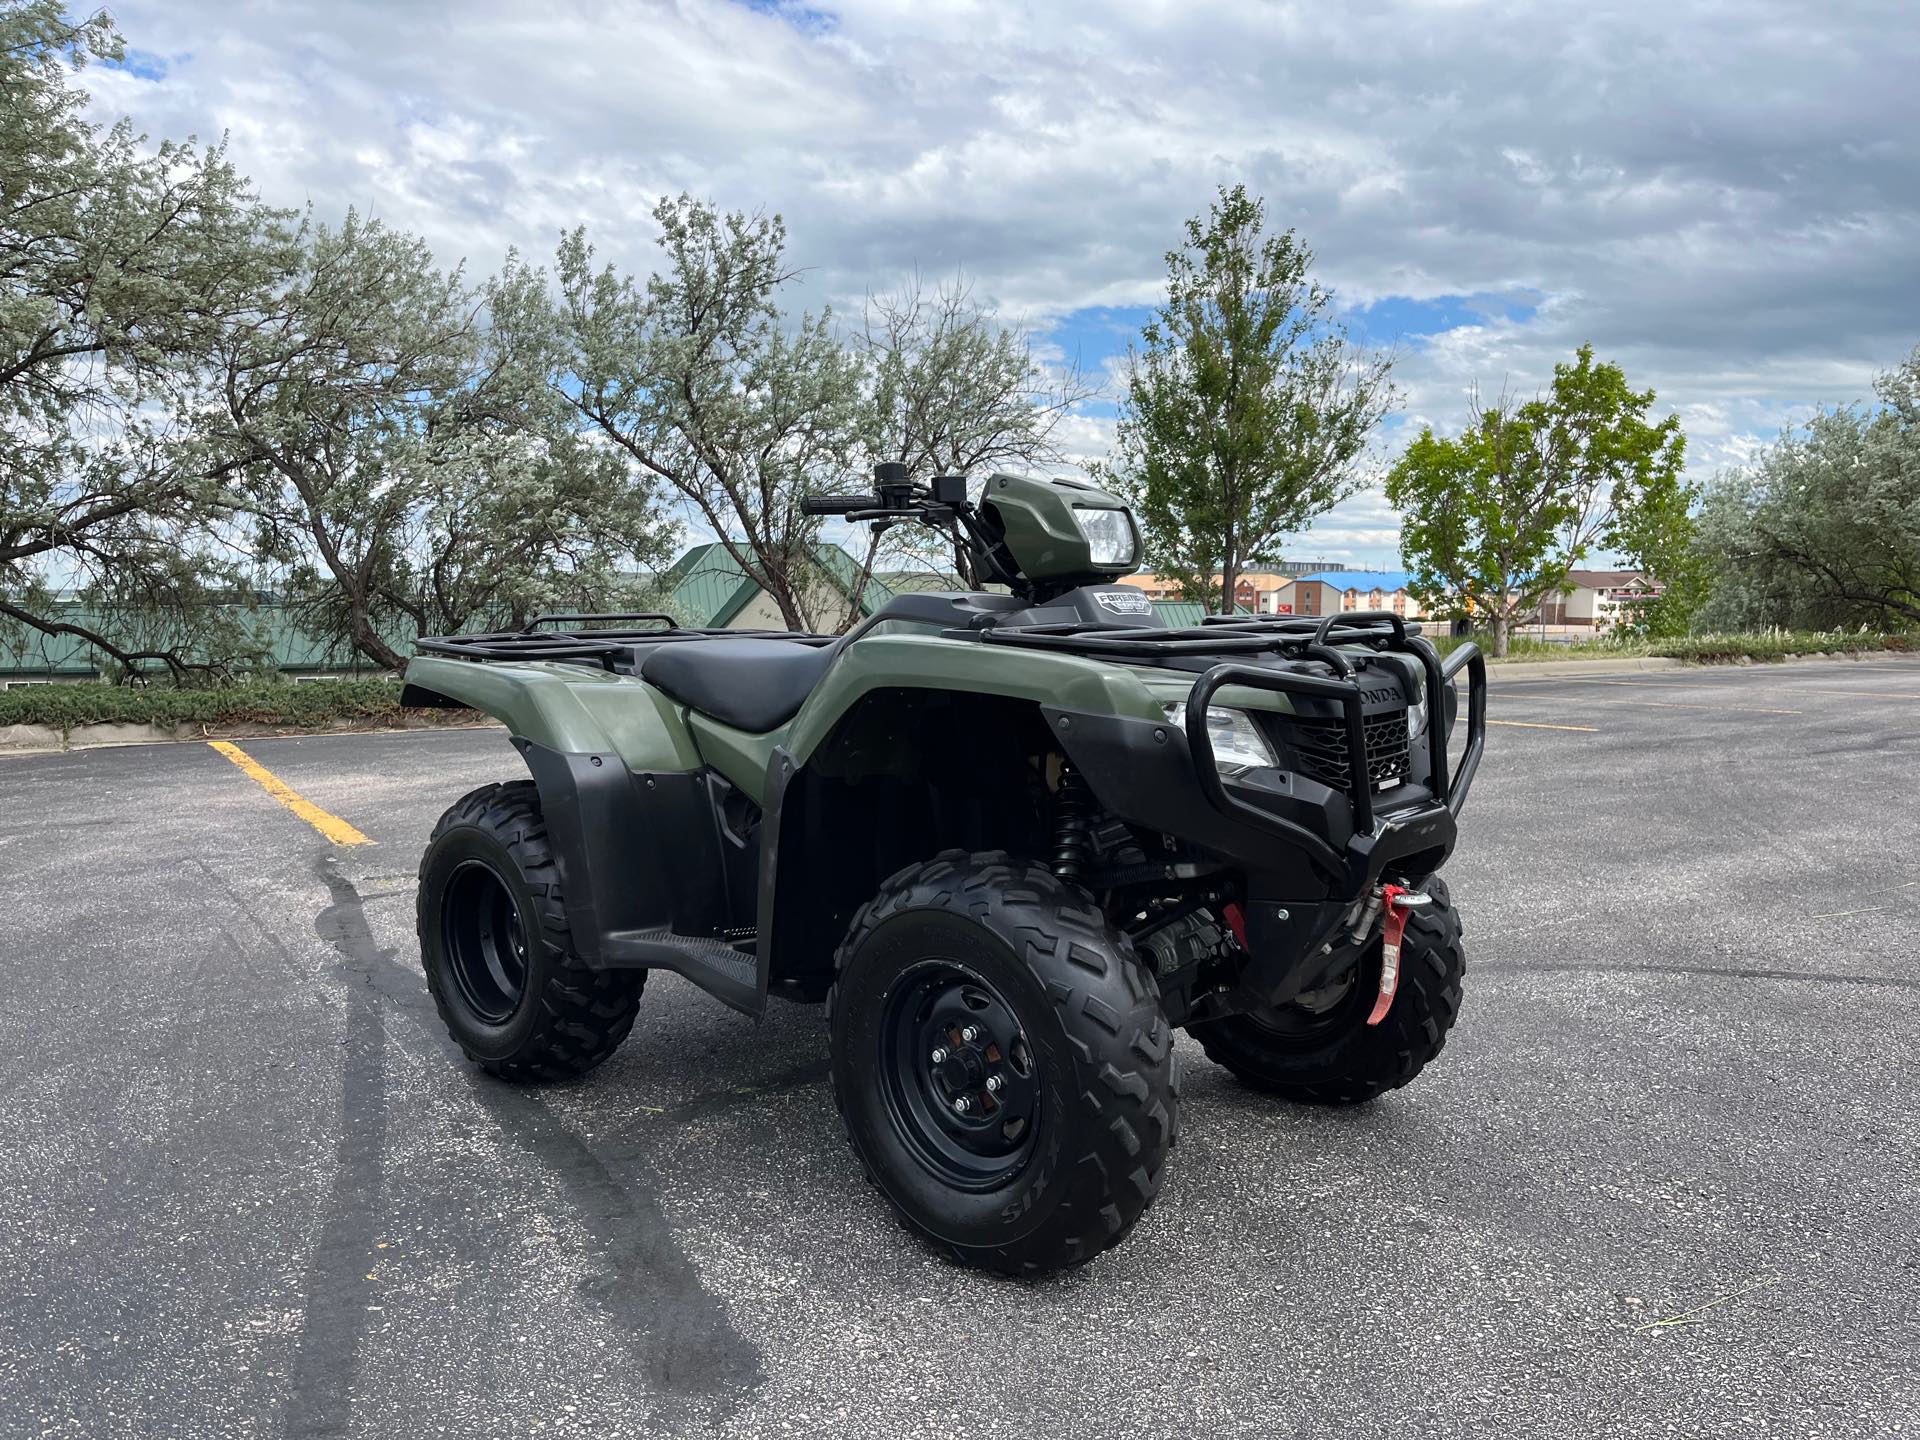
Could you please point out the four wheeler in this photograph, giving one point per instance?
(1012, 837)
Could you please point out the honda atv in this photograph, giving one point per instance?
(1012, 837)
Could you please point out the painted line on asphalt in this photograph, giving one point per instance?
(1715, 709)
(327, 823)
(1672, 704)
(1869, 694)
(1539, 725)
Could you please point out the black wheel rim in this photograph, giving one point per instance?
(959, 1076)
(485, 942)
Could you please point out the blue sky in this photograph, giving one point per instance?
(1725, 200)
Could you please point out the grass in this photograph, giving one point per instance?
(1778, 645)
(1696, 649)
(1532, 647)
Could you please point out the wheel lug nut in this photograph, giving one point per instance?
(963, 1103)
(970, 1034)
(939, 1054)
(994, 1082)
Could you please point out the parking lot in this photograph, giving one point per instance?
(1663, 1180)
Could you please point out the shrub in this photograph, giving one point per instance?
(315, 703)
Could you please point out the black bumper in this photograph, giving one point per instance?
(1307, 851)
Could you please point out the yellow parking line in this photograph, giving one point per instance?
(1538, 725)
(329, 825)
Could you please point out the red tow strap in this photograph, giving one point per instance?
(1393, 925)
(1237, 923)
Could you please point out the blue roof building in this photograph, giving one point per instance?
(1387, 581)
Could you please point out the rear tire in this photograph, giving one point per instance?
(1334, 1057)
(499, 957)
(1059, 1160)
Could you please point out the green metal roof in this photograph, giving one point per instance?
(1178, 613)
(707, 588)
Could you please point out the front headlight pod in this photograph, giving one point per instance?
(1237, 743)
(1109, 534)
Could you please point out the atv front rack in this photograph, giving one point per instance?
(1297, 638)
(1449, 790)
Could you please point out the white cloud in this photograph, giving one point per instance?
(1724, 199)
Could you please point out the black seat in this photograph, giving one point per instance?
(749, 684)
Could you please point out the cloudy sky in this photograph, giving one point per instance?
(1725, 198)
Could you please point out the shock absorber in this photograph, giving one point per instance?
(1072, 826)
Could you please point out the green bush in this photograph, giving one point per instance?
(1775, 645)
(1698, 649)
(315, 703)
(1532, 647)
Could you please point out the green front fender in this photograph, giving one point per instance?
(1071, 682)
(566, 708)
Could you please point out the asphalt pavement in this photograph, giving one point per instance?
(1665, 1179)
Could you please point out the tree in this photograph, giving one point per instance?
(1247, 411)
(951, 390)
(116, 259)
(1824, 530)
(408, 465)
(706, 387)
(1492, 521)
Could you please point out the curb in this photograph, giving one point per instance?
(1569, 669)
(1548, 669)
(54, 740)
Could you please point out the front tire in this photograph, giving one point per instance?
(1322, 1052)
(1002, 1063)
(499, 957)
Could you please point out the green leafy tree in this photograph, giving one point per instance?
(117, 260)
(706, 387)
(1247, 411)
(954, 390)
(1493, 520)
(1824, 529)
(409, 468)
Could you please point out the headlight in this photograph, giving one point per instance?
(1109, 533)
(1417, 713)
(1237, 742)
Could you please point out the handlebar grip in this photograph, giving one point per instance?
(838, 504)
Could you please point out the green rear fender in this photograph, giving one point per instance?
(565, 708)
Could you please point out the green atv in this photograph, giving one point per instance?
(1012, 837)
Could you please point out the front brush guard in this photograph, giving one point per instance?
(1281, 937)
(1448, 791)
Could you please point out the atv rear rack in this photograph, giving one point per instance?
(606, 645)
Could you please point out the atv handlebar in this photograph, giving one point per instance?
(838, 504)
